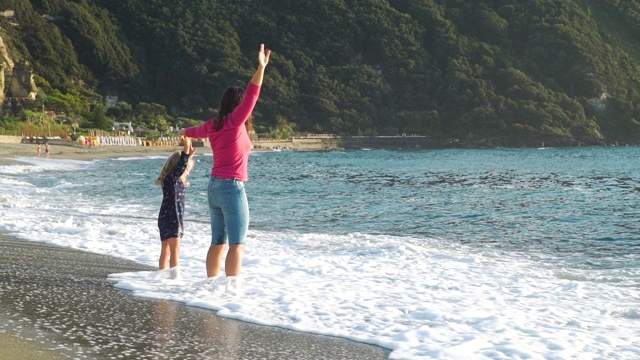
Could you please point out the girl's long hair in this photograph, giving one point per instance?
(231, 98)
(168, 167)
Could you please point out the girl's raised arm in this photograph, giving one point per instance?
(186, 142)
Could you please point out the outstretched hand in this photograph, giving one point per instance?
(263, 58)
(186, 142)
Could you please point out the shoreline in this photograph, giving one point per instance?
(59, 304)
(56, 303)
(8, 151)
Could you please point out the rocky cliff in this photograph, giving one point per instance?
(6, 64)
(16, 78)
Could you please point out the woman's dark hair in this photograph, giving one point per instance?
(231, 98)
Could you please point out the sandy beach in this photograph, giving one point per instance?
(56, 302)
(9, 151)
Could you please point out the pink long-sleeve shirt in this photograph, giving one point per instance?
(231, 145)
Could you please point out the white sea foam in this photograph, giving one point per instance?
(42, 164)
(420, 297)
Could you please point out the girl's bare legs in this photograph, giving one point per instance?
(232, 264)
(174, 244)
(170, 253)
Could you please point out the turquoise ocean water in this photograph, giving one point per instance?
(535, 226)
(579, 207)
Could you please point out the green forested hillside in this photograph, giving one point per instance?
(516, 72)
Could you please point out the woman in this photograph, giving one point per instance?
(231, 146)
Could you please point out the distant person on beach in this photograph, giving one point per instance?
(173, 180)
(228, 135)
(39, 150)
(47, 149)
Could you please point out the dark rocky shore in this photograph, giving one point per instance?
(418, 142)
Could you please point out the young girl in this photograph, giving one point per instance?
(173, 180)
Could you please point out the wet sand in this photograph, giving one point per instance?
(17, 348)
(56, 303)
(55, 298)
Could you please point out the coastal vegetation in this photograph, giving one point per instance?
(510, 72)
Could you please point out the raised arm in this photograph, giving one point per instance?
(241, 113)
(186, 142)
(263, 60)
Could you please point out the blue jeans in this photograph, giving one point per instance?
(229, 210)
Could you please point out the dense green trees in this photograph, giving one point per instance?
(517, 72)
